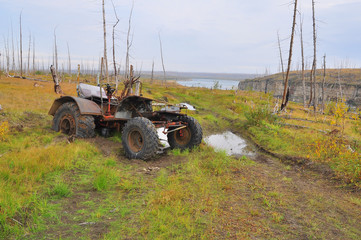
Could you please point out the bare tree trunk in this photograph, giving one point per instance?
(129, 43)
(0, 67)
(101, 69)
(152, 76)
(13, 67)
(311, 87)
(105, 44)
(314, 57)
(113, 36)
(131, 77)
(323, 84)
(34, 65)
(137, 84)
(69, 61)
(55, 53)
(284, 99)
(21, 49)
(161, 56)
(303, 63)
(281, 58)
(28, 69)
(339, 83)
(7, 55)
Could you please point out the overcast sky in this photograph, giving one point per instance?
(235, 36)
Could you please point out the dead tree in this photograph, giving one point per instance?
(281, 58)
(13, 66)
(311, 88)
(0, 67)
(69, 61)
(101, 69)
(129, 43)
(7, 56)
(21, 49)
(128, 83)
(57, 88)
(314, 65)
(34, 65)
(323, 84)
(161, 56)
(55, 52)
(286, 89)
(339, 81)
(105, 44)
(113, 36)
(152, 76)
(28, 68)
(303, 63)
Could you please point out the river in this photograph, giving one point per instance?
(210, 83)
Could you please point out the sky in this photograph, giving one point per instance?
(218, 36)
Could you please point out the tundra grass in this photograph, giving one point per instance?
(299, 133)
(50, 187)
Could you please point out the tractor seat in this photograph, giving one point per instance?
(90, 91)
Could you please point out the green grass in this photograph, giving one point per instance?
(183, 203)
(61, 190)
(50, 186)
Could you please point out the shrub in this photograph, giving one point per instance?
(330, 108)
(257, 115)
(4, 129)
(338, 153)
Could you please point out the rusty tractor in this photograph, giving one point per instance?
(133, 115)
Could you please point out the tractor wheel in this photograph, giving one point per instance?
(68, 120)
(188, 137)
(140, 139)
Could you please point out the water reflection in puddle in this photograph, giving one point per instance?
(229, 142)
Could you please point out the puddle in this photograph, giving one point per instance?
(231, 143)
(227, 141)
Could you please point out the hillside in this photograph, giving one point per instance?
(349, 79)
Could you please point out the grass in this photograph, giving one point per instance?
(50, 188)
(60, 190)
(184, 202)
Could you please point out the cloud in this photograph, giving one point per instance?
(197, 35)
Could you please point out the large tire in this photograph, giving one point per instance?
(68, 120)
(188, 137)
(140, 139)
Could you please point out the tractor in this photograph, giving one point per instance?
(98, 108)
